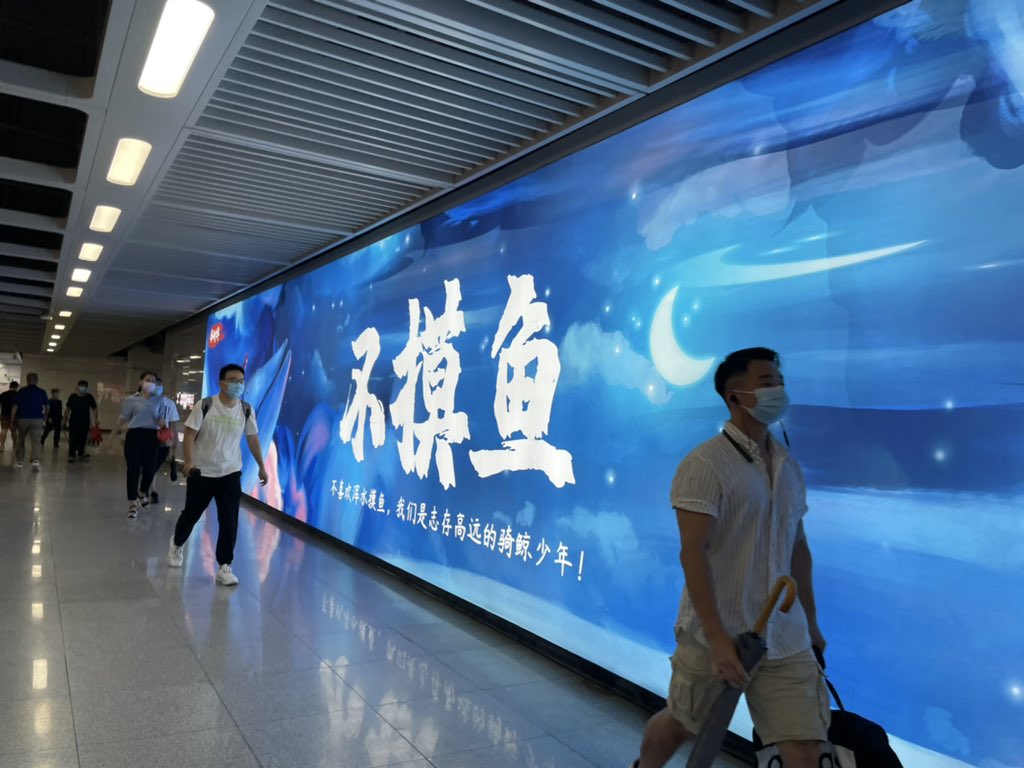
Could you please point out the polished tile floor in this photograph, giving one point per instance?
(108, 659)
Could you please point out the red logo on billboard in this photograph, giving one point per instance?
(216, 335)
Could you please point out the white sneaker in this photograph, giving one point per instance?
(19, 464)
(35, 466)
(174, 556)
(133, 510)
(225, 577)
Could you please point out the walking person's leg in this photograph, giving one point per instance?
(148, 458)
(56, 436)
(162, 452)
(198, 494)
(81, 439)
(133, 456)
(228, 497)
(34, 432)
(46, 431)
(5, 427)
(73, 433)
(20, 430)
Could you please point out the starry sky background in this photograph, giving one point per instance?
(903, 136)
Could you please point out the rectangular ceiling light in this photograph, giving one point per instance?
(74, 291)
(53, 343)
(181, 31)
(81, 275)
(54, 335)
(59, 327)
(129, 158)
(90, 252)
(65, 313)
(104, 218)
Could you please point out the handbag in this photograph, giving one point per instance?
(855, 740)
(95, 435)
(165, 436)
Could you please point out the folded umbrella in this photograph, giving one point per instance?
(751, 648)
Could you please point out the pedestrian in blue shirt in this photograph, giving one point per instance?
(143, 414)
(31, 406)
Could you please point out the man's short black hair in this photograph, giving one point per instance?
(229, 368)
(738, 362)
(13, 385)
(83, 383)
(144, 374)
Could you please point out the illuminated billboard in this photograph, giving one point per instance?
(495, 400)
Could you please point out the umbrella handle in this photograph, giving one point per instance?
(786, 583)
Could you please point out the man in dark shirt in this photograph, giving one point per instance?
(53, 419)
(30, 408)
(80, 415)
(6, 425)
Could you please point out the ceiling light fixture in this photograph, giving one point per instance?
(81, 275)
(50, 349)
(53, 344)
(65, 313)
(129, 158)
(104, 218)
(59, 327)
(74, 291)
(90, 252)
(54, 335)
(179, 35)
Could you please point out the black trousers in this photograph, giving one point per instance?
(140, 452)
(77, 437)
(51, 427)
(162, 452)
(199, 492)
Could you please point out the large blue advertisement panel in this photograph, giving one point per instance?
(496, 399)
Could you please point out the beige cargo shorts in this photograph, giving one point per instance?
(787, 698)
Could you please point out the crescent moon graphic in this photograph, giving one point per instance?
(674, 365)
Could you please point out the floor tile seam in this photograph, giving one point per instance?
(220, 698)
(576, 752)
(67, 670)
(175, 735)
(525, 740)
(193, 651)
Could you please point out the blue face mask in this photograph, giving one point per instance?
(158, 390)
(83, 390)
(236, 389)
(772, 403)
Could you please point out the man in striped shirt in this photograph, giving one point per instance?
(739, 500)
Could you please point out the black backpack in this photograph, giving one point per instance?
(857, 741)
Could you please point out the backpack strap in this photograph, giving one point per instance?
(208, 401)
(820, 656)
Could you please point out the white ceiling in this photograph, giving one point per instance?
(304, 123)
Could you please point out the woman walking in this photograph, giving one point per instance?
(143, 415)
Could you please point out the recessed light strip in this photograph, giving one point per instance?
(179, 35)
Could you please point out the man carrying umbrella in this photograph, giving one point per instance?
(739, 500)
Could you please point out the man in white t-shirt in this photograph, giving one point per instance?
(740, 499)
(213, 467)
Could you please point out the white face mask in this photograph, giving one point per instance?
(772, 403)
(148, 386)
